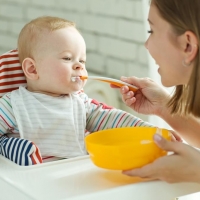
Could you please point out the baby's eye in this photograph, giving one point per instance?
(67, 58)
(82, 61)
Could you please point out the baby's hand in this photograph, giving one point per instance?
(175, 136)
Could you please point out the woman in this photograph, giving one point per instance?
(174, 44)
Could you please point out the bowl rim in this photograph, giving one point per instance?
(136, 142)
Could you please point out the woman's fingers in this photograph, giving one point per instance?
(124, 89)
(159, 167)
(127, 96)
(175, 136)
(143, 172)
(167, 145)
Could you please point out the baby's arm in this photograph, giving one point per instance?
(20, 151)
(101, 116)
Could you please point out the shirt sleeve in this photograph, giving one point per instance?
(7, 119)
(20, 151)
(101, 116)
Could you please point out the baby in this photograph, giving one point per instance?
(52, 111)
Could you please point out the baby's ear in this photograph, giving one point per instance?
(29, 68)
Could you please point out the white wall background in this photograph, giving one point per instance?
(114, 30)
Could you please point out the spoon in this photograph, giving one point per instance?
(111, 81)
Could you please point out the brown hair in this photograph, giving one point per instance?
(30, 34)
(184, 15)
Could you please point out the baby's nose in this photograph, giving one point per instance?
(78, 66)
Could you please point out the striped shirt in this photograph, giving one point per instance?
(29, 113)
(20, 151)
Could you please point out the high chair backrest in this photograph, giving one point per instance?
(11, 74)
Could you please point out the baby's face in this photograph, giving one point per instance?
(63, 56)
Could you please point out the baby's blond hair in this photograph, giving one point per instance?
(33, 32)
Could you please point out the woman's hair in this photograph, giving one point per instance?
(184, 15)
(35, 31)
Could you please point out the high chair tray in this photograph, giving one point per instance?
(79, 179)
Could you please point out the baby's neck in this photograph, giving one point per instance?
(44, 92)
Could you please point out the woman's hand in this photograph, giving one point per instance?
(182, 166)
(150, 98)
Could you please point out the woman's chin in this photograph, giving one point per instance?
(166, 83)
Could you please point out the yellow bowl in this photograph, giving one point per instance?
(124, 148)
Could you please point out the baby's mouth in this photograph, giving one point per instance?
(75, 79)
